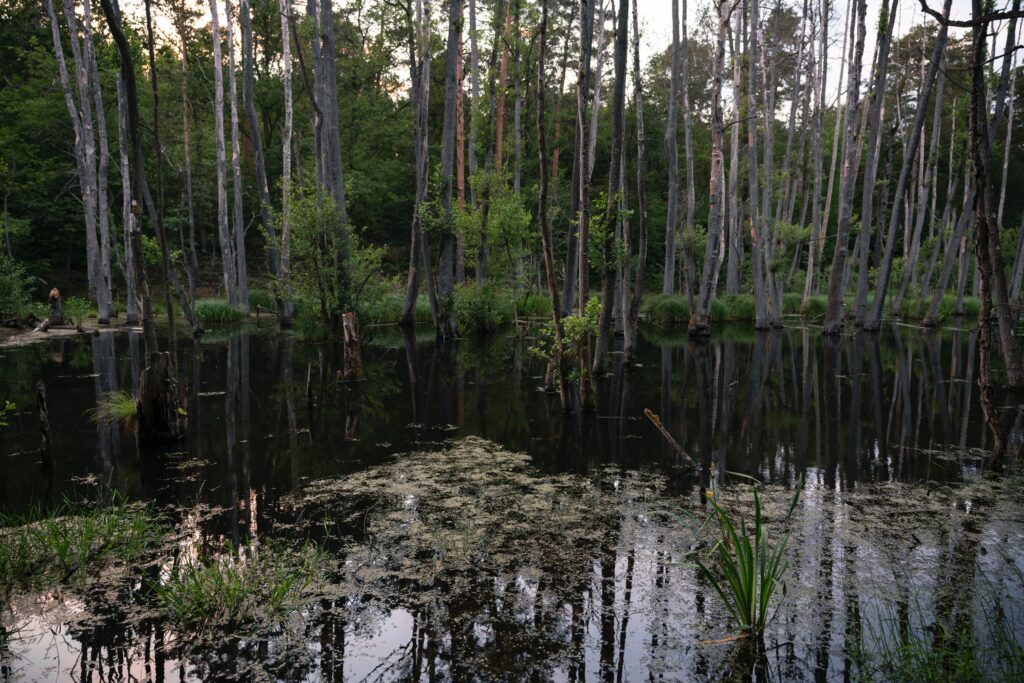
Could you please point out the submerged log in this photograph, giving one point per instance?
(353, 371)
(44, 421)
(161, 409)
(680, 452)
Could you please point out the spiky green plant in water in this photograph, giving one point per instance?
(750, 569)
(114, 406)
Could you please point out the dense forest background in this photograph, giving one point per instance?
(732, 162)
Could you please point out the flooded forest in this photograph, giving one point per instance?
(511, 340)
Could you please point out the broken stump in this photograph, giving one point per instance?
(161, 409)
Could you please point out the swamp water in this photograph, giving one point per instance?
(451, 523)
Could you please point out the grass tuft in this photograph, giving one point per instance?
(115, 406)
(237, 587)
(218, 311)
(40, 549)
(666, 309)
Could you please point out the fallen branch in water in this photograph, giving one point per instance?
(668, 437)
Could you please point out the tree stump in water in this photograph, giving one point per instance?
(56, 307)
(353, 371)
(162, 416)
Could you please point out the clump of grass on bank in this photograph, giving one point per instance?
(115, 406)
(45, 548)
(237, 587)
(815, 306)
(218, 311)
(481, 310)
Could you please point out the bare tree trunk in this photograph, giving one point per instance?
(104, 297)
(818, 229)
(873, 320)
(950, 258)
(474, 94)
(583, 262)
(884, 42)
(735, 251)
(137, 170)
(672, 160)
(127, 216)
(687, 257)
(615, 187)
(542, 209)
(632, 294)
(927, 178)
(700, 319)
(227, 253)
(833, 325)
(761, 321)
(236, 169)
(994, 295)
(285, 308)
(85, 142)
(448, 328)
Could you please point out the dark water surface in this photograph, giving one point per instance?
(481, 534)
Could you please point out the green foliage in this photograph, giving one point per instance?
(151, 254)
(78, 308)
(237, 588)
(576, 330)
(40, 549)
(750, 571)
(115, 406)
(6, 409)
(14, 288)
(481, 310)
(218, 311)
(534, 305)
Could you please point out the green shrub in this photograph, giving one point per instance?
(738, 307)
(535, 305)
(218, 311)
(666, 309)
(481, 310)
(14, 288)
(791, 303)
(815, 306)
(262, 298)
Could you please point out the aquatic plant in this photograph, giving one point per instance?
(6, 409)
(238, 586)
(665, 308)
(41, 548)
(218, 311)
(114, 406)
(751, 569)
